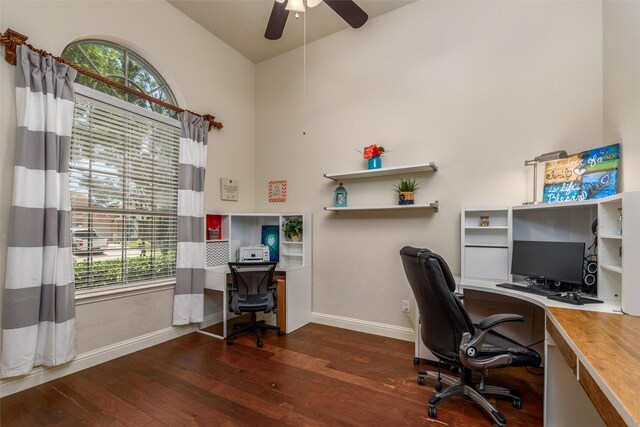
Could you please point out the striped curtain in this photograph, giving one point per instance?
(38, 313)
(188, 303)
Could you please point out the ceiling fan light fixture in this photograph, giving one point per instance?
(295, 6)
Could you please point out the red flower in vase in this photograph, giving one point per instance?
(372, 151)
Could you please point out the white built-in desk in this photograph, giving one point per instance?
(539, 300)
(297, 298)
(294, 270)
(486, 251)
(591, 359)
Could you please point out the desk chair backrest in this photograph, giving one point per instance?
(252, 287)
(442, 316)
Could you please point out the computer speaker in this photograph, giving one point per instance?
(590, 279)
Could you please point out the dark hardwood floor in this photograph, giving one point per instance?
(315, 376)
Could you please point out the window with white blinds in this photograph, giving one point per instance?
(123, 178)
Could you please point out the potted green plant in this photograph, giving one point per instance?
(405, 189)
(292, 228)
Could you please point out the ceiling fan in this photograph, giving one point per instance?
(347, 9)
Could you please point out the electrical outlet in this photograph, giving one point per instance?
(405, 305)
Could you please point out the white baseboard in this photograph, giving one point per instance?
(41, 375)
(375, 328)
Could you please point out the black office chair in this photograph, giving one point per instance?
(451, 336)
(252, 290)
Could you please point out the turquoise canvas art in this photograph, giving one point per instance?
(591, 174)
(271, 238)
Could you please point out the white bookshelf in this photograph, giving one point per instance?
(485, 249)
(619, 254)
(296, 253)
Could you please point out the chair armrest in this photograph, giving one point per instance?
(469, 345)
(496, 319)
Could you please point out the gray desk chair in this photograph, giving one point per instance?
(451, 336)
(252, 289)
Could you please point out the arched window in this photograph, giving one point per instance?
(123, 172)
(123, 66)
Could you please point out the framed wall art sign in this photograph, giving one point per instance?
(229, 189)
(278, 190)
(591, 174)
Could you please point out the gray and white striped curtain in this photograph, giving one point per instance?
(38, 313)
(188, 303)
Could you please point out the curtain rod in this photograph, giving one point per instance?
(11, 39)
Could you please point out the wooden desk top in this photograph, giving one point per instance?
(610, 345)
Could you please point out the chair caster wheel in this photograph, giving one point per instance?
(280, 333)
(229, 341)
(438, 386)
(517, 403)
(421, 380)
(260, 344)
(416, 360)
(431, 411)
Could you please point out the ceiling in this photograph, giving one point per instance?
(241, 23)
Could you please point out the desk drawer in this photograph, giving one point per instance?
(609, 415)
(562, 345)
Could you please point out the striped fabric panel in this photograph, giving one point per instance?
(188, 306)
(38, 316)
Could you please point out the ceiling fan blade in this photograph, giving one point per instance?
(349, 11)
(277, 20)
(313, 3)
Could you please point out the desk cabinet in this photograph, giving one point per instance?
(235, 230)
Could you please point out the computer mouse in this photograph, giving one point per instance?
(573, 296)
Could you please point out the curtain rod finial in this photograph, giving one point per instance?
(11, 39)
(212, 122)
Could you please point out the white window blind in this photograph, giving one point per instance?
(123, 179)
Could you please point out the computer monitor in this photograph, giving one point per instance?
(561, 261)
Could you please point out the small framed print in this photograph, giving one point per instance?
(278, 190)
(229, 189)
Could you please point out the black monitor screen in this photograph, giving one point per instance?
(550, 260)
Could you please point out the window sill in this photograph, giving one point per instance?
(92, 296)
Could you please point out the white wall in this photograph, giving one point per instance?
(206, 75)
(477, 87)
(621, 68)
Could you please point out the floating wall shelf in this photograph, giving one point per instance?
(370, 173)
(433, 206)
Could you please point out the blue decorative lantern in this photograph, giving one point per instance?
(340, 197)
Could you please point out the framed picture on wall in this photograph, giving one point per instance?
(278, 190)
(591, 174)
